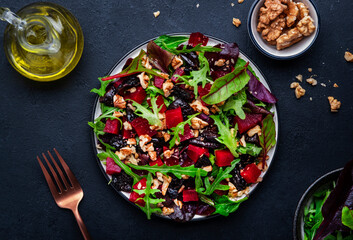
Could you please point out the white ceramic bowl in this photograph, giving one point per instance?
(288, 53)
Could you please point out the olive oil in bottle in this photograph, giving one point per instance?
(43, 42)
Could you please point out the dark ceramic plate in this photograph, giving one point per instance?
(133, 53)
(321, 183)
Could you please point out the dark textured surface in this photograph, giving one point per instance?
(37, 116)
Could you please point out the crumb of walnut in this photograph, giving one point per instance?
(299, 92)
(178, 203)
(242, 141)
(168, 153)
(335, 85)
(144, 139)
(232, 4)
(207, 168)
(292, 13)
(197, 123)
(144, 80)
(167, 87)
(131, 141)
(254, 130)
(334, 104)
(311, 81)
(299, 77)
(323, 84)
(197, 5)
(177, 62)
(197, 106)
(294, 85)
(119, 101)
(303, 10)
(272, 9)
(146, 62)
(220, 62)
(289, 38)
(127, 125)
(236, 22)
(310, 98)
(167, 211)
(156, 14)
(117, 114)
(240, 1)
(166, 137)
(310, 69)
(274, 30)
(348, 56)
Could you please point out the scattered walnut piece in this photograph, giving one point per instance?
(146, 62)
(156, 14)
(117, 114)
(197, 5)
(197, 106)
(334, 104)
(299, 92)
(254, 130)
(240, 1)
(176, 62)
(236, 22)
(232, 4)
(220, 62)
(152, 155)
(311, 81)
(294, 85)
(242, 141)
(166, 137)
(197, 123)
(310, 69)
(288, 39)
(348, 56)
(144, 80)
(119, 101)
(335, 85)
(178, 203)
(167, 87)
(167, 211)
(168, 153)
(207, 168)
(299, 77)
(127, 125)
(323, 84)
(131, 141)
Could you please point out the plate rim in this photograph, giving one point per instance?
(202, 218)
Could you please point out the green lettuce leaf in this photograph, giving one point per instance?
(236, 103)
(170, 42)
(151, 116)
(250, 149)
(347, 217)
(197, 48)
(101, 90)
(225, 206)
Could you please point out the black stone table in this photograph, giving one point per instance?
(38, 116)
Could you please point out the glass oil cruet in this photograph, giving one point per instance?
(43, 41)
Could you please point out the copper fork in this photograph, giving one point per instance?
(67, 194)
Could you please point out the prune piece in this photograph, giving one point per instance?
(191, 60)
(253, 139)
(186, 213)
(173, 193)
(203, 162)
(185, 107)
(204, 209)
(122, 182)
(184, 94)
(201, 142)
(237, 179)
(129, 82)
(107, 99)
(176, 183)
(168, 201)
(144, 159)
(157, 142)
(246, 159)
(117, 141)
(130, 115)
(210, 133)
(189, 183)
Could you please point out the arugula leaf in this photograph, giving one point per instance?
(347, 217)
(170, 42)
(226, 137)
(225, 206)
(98, 128)
(179, 130)
(250, 149)
(143, 112)
(177, 170)
(222, 174)
(101, 90)
(197, 48)
(134, 67)
(123, 166)
(268, 137)
(103, 156)
(236, 103)
(148, 200)
(153, 91)
(226, 86)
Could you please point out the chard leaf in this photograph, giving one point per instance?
(177, 170)
(226, 137)
(144, 112)
(347, 217)
(179, 130)
(123, 166)
(207, 200)
(250, 149)
(135, 67)
(236, 103)
(222, 174)
(197, 48)
(159, 57)
(170, 42)
(268, 137)
(101, 91)
(225, 206)
(226, 86)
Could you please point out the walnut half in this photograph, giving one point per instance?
(334, 104)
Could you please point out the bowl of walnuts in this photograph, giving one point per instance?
(283, 29)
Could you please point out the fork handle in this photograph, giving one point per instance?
(82, 226)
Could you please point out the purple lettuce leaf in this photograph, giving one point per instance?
(258, 90)
(230, 51)
(256, 109)
(159, 57)
(341, 196)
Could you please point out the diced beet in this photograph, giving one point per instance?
(112, 126)
(179, 72)
(250, 173)
(158, 82)
(195, 152)
(142, 127)
(138, 96)
(134, 195)
(112, 167)
(218, 74)
(204, 91)
(197, 38)
(190, 195)
(140, 184)
(250, 121)
(187, 162)
(117, 83)
(171, 161)
(160, 102)
(158, 162)
(222, 192)
(188, 133)
(173, 117)
(223, 158)
(204, 209)
(128, 134)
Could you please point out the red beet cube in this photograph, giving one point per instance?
(173, 117)
(128, 134)
(195, 152)
(134, 195)
(178, 72)
(138, 96)
(117, 83)
(197, 38)
(190, 195)
(160, 102)
(250, 121)
(204, 91)
(112, 167)
(158, 82)
(112, 126)
(250, 173)
(158, 162)
(142, 127)
(223, 158)
(188, 133)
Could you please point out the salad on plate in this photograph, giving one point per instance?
(185, 128)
